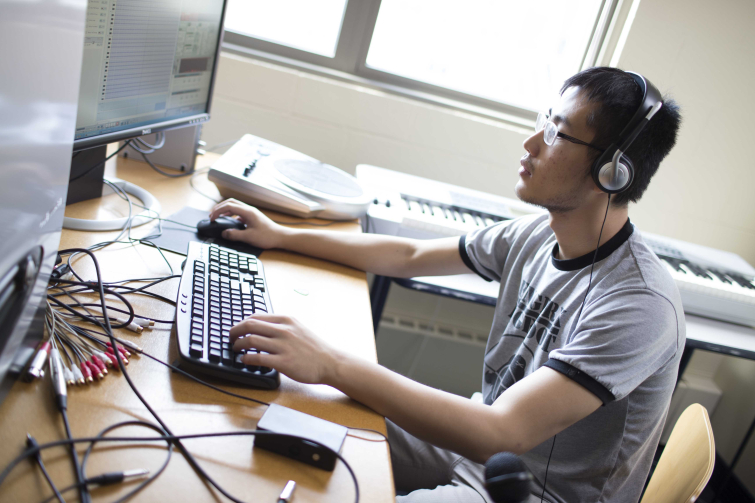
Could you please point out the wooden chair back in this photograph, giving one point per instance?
(687, 461)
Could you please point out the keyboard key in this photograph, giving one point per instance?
(197, 313)
(196, 350)
(227, 357)
(197, 340)
(214, 355)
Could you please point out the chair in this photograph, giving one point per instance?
(687, 461)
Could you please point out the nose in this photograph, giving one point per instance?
(533, 143)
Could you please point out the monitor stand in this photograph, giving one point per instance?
(87, 181)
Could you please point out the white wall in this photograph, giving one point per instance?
(699, 51)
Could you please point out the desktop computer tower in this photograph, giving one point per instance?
(39, 87)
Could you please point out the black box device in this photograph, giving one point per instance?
(279, 419)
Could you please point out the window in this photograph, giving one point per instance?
(499, 55)
(311, 26)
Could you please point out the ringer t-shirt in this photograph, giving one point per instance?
(625, 348)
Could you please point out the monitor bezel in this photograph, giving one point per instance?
(157, 127)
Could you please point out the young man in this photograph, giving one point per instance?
(579, 389)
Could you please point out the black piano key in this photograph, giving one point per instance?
(720, 275)
(696, 270)
(741, 280)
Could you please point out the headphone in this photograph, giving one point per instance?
(613, 171)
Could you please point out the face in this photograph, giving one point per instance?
(557, 177)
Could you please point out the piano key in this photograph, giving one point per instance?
(415, 207)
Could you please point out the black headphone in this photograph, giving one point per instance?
(613, 171)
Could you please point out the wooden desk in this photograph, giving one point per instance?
(336, 307)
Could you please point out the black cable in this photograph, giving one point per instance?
(177, 440)
(32, 442)
(147, 481)
(108, 330)
(579, 315)
(594, 258)
(169, 175)
(204, 383)
(83, 489)
(545, 480)
(97, 165)
(85, 317)
(117, 310)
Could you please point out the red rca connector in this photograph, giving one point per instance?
(85, 371)
(95, 370)
(99, 364)
(111, 357)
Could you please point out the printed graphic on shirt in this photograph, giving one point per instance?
(534, 326)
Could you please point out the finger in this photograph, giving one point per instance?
(256, 327)
(272, 318)
(257, 342)
(233, 234)
(219, 208)
(228, 207)
(260, 359)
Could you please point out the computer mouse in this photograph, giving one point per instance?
(214, 229)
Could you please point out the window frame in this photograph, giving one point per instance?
(350, 61)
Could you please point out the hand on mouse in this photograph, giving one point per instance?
(260, 230)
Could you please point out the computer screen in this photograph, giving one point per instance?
(148, 66)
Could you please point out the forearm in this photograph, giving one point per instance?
(471, 429)
(376, 253)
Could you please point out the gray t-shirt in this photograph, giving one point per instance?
(625, 349)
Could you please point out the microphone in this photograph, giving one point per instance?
(507, 478)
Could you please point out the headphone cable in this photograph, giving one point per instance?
(579, 315)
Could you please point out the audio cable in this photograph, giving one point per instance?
(579, 315)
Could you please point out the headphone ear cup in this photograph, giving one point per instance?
(613, 180)
(607, 178)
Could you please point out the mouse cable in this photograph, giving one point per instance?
(173, 439)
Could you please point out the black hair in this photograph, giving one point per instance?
(616, 97)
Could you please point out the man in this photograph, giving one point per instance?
(577, 382)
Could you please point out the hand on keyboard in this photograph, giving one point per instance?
(260, 230)
(291, 347)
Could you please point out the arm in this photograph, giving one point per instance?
(375, 253)
(528, 413)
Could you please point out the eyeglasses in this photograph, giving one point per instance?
(551, 132)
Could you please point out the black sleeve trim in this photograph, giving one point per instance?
(581, 378)
(467, 261)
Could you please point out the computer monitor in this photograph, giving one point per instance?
(39, 81)
(148, 66)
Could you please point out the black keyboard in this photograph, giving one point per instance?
(219, 288)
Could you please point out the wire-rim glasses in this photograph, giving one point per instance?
(551, 132)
